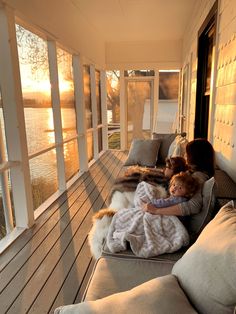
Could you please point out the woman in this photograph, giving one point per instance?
(200, 157)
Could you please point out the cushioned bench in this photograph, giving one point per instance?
(201, 280)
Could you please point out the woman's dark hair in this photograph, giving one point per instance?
(201, 156)
(177, 164)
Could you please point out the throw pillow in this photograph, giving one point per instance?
(207, 271)
(178, 147)
(143, 153)
(166, 140)
(160, 295)
(196, 223)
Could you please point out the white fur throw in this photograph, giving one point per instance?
(101, 223)
(148, 235)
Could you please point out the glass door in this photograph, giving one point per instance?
(139, 109)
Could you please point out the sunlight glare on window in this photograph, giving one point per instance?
(36, 88)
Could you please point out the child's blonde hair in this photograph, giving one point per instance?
(185, 178)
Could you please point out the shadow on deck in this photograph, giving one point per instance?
(49, 265)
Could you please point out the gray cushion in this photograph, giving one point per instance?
(197, 222)
(143, 153)
(166, 140)
(207, 271)
(160, 295)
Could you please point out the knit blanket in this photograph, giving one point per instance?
(148, 235)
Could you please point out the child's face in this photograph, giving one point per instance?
(168, 172)
(177, 189)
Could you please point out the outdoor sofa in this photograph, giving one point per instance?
(197, 279)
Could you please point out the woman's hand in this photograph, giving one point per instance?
(173, 210)
(149, 208)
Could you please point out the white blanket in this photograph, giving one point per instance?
(148, 235)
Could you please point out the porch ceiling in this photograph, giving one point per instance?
(137, 20)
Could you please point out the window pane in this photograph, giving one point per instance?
(133, 73)
(138, 110)
(90, 145)
(71, 158)
(113, 108)
(168, 102)
(87, 97)
(168, 85)
(5, 183)
(98, 97)
(36, 88)
(99, 140)
(43, 171)
(66, 87)
(2, 215)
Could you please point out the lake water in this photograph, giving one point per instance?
(40, 135)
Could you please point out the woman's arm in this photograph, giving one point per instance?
(190, 207)
(173, 210)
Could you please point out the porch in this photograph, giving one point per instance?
(49, 264)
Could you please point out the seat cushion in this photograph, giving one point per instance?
(160, 295)
(207, 271)
(172, 257)
(112, 275)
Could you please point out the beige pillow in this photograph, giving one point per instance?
(207, 271)
(143, 153)
(196, 223)
(178, 147)
(160, 295)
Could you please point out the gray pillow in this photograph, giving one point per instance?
(160, 295)
(197, 222)
(143, 153)
(207, 271)
(166, 140)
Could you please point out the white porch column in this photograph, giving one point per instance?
(94, 110)
(123, 113)
(80, 112)
(155, 100)
(14, 119)
(104, 110)
(52, 59)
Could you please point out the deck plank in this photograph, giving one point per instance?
(72, 284)
(85, 178)
(52, 264)
(48, 227)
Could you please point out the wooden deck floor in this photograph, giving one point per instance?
(49, 265)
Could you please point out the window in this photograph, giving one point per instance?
(168, 85)
(98, 97)
(6, 203)
(90, 150)
(166, 121)
(87, 97)
(88, 111)
(137, 73)
(113, 108)
(36, 89)
(68, 112)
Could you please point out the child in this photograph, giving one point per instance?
(174, 165)
(182, 187)
(147, 233)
